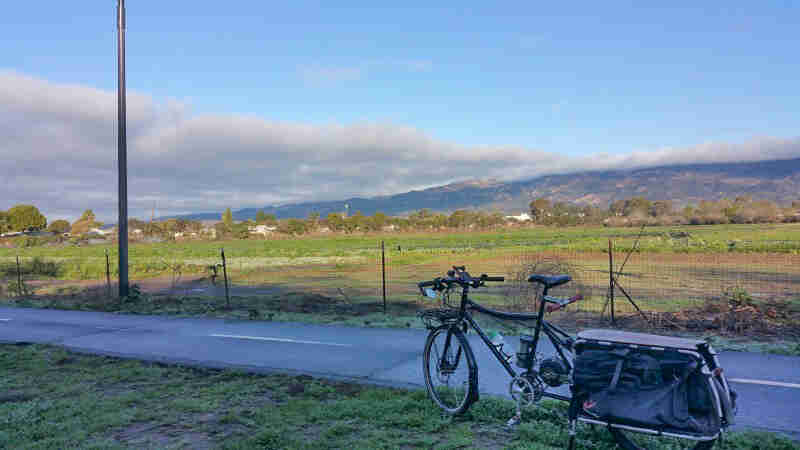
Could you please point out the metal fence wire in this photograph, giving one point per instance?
(381, 273)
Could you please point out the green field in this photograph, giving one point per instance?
(673, 268)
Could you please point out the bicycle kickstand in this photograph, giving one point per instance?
(571, 445)
(517, 418)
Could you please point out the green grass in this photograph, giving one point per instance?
(55, 399)
(703, 239)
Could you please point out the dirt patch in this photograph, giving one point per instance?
(158, 435)
(758, 320)
(732, 317)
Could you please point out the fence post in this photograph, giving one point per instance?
(383, 274)
(225, 274)
(611, 280)
(19, 278)
(108, 275)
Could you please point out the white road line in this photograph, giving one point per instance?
(764, 382)
(292, 341)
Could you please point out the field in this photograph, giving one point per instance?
(52, 398)
(672, 270)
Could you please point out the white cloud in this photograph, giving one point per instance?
(58, 151)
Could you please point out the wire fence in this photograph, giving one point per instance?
(387, 275)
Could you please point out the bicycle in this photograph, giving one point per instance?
(448, 358)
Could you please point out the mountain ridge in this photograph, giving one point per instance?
(775, 180)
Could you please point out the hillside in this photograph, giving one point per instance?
(778, 181)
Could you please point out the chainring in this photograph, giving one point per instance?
(525, 390)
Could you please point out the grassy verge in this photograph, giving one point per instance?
(51, 398)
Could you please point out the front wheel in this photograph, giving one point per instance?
(627, 443)
(451, 374)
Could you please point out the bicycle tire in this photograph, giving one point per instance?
(625, 443)
(469, 393)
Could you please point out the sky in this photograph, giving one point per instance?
(246, 104)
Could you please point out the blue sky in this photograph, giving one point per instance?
(575, 79)
(566, 77)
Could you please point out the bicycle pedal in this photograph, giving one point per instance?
(514, 421)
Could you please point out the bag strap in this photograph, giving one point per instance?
(623, 354)
(676, 401)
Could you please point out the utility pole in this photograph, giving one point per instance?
(122, 153)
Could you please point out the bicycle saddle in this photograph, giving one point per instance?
(549, 281)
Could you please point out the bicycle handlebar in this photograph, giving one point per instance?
(457, 276)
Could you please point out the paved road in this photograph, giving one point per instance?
(369, 355)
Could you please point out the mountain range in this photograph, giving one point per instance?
(778, 181)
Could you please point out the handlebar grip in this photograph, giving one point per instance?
(425, 284)
(494, 278)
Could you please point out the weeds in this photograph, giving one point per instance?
(113, 403)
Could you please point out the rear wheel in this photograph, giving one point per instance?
(451, 374)
(628, 443)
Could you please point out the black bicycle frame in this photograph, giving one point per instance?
(549, 329)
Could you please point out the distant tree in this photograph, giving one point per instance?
(134, 224)
(335, 222)
(355, 222)
(313, 221)
(59, 226)
(617, 207)
(420, 218)
(540, 208)
(194, 225)
(459, 219)
(293, 227)
(638, 206)
(227, 219)
(23, 217)
(85, 223)
(765, 211)
(261, 217)
(660, 208)
(378, 221)
(240, 230)
(221, 231)
(5, 223)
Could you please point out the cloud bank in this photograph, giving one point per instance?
(58, 151)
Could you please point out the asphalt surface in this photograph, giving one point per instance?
(380, 356)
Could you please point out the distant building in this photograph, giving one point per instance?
(520, 218)
(261, 229)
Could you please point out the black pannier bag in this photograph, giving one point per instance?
(654, 388)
